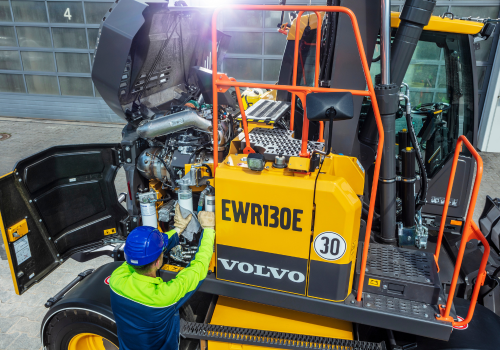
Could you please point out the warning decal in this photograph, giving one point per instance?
(22, 250)
(373, 282)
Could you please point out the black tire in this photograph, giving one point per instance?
(65, 325)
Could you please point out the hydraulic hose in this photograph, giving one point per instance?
(423, 174)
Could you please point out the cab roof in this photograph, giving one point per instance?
(448, 25)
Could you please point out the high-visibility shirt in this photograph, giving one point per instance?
(146, 309)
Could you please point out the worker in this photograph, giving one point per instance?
(146, 308)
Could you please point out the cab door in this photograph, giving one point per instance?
(56, 203)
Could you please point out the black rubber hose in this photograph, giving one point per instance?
(423, 174)
(209, 170)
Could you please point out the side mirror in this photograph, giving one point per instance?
(329, 106)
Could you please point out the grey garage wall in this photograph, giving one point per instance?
(46, 49)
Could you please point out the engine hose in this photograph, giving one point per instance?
(423, 174)
(201, 201)
(209, 170)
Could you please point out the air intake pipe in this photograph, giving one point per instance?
(172, 123)
(414, 17)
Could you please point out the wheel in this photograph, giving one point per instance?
(85, 330)
(80, 330)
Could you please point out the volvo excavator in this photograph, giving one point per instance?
(343, 212)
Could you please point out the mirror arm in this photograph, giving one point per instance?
(330, 132)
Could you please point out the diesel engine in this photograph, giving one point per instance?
(157, 80)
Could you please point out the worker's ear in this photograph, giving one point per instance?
(159, 262)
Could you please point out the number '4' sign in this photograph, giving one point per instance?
(67, 14)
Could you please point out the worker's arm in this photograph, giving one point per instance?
(178, 290)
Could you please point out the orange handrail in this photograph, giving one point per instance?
(220, 82)
(470, 231)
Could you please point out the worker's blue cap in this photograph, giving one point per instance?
(144, 245)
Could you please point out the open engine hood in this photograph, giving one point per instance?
(144, 54)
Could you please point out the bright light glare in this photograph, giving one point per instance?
(214, 3)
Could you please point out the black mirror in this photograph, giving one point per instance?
(329, 106)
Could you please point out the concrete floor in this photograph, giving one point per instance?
(20, 316)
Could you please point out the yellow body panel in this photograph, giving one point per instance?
(447, 25)
(299, 164)
(172, 268)
(18, 230)
(243, 314)
(271, 187)
(265, 231)
(7, 251)
(306, 20)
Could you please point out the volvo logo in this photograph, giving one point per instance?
(263, 271)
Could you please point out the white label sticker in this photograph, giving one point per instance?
(148, 209)
(330, 246)
(22, 249)
(73, 179)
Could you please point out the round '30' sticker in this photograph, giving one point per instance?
(330, 245)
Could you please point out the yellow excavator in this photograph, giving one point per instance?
(342, 198)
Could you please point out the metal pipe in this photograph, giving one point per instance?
(414, 17)
(385, 42)
(122, 197)
(173, 123)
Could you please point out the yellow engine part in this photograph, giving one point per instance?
(250, 96)
(264, 222)
(269, 95)
(243, 314)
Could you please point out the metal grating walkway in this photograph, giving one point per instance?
(277, 141)
(270, 339)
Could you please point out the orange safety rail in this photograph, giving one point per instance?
(221, 83)
(470, 231)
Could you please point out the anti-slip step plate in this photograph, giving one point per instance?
(401, 306)
(271, 339)
(387, 304)
(400, 273)
(273, 142)
(267, 112)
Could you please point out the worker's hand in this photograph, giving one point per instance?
(180, 223)
(207, 219)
